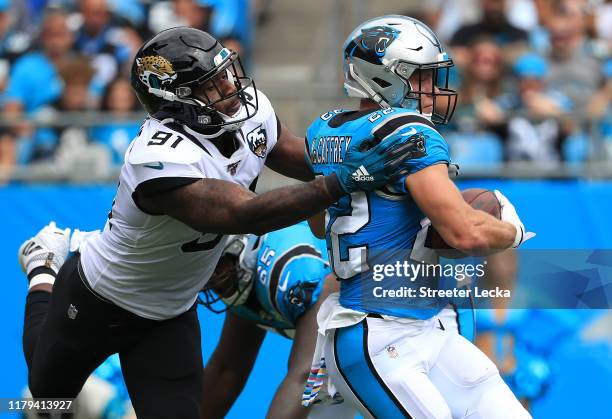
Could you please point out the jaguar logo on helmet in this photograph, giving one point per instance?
(372, 44)
(155, 71)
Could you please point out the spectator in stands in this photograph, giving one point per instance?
(28, 15)
(102, 39)
(76, 74)
(37, 71)
(12, 44)
(233, 19)
(34, 80)
(482, 84)
(539, 37)
(493, 24)
(473, 134)
(537, 124)
(168, 14)
(119, 100)
(573, 68)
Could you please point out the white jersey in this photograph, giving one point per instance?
(154, 265)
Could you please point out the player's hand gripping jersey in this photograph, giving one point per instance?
(387, 218)
(154, 265)
(289, 267)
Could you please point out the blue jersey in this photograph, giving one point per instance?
(365, 223)
(291, 268)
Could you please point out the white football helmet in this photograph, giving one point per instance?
(381, 54)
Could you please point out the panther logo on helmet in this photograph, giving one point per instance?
(155, 71)
(372, 44)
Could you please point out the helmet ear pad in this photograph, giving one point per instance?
(391, 87)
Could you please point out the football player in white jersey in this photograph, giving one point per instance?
(187, 180)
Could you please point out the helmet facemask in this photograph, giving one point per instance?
(211, 89)
(444, 99)
(204, 95)
(232, 279)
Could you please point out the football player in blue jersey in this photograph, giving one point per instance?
(394, 358)
(271, 282)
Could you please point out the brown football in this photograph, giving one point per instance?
(478, 198)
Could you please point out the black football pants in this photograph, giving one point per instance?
(68, 333)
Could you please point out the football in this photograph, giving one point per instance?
(478, 198)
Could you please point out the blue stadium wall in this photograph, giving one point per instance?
(565, 214)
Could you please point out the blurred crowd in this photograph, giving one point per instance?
(534, 76)
(62, 60)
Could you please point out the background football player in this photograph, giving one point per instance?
(186, 181)
(283, 276)
(396, 360)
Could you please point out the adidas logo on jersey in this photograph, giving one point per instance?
(362, 175)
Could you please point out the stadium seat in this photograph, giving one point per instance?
(479, 149)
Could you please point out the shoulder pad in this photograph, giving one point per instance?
(330, 114)
(159, 143)
(388, 124)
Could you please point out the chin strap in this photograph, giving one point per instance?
(164, 94)
(205, 119)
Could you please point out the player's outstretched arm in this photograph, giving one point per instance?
(228, 369)
(216, 206)
(462, 227)
(286, 402)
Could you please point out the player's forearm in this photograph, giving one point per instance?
(288, 205)
(286, 402)
(295, 168)
(486, 235)
(215, 206)
(222, 386)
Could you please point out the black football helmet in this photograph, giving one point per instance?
(177, 63)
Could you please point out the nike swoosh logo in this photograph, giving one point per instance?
(158, 166)
(412, 131)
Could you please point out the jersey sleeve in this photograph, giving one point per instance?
(435, 152)
(432, 148)
(161, 159)
(314, 144)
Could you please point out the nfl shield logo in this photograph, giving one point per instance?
(232, 167)
(258, 141)
(392, 352)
